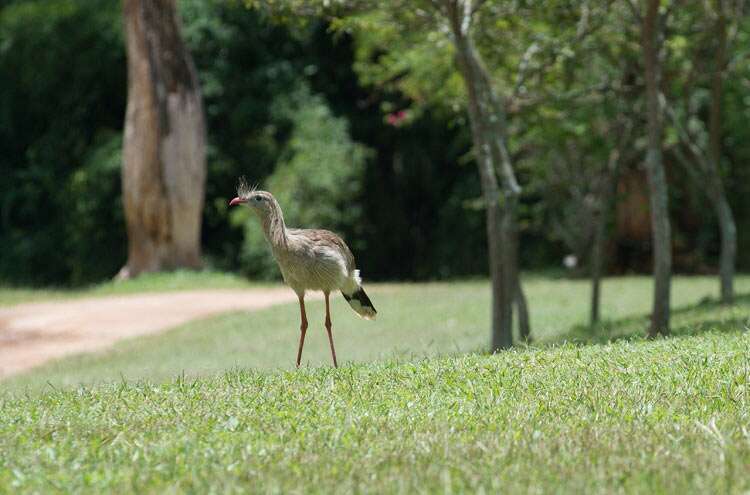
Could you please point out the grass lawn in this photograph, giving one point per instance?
(414, 320)
(205, 408)
(670, 416)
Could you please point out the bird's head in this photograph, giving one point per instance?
(261, 202)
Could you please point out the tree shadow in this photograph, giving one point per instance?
(707, 315)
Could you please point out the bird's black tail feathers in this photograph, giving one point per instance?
(360, 303)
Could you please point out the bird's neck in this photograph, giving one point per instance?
(274, 228)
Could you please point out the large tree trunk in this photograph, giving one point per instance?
(164, 167)
(724, 216)
(661, 238)
(489, 145)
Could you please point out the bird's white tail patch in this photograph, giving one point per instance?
(357, 298)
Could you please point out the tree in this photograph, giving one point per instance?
(702, 143)
(489, 135)
(716, 191)
(432, 52)
(651, 48)
(164, 169)
(488, 128)
(579, 184)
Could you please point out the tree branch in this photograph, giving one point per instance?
(686, 138)
(635, 10)
(584, 30)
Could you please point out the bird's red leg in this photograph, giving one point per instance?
(328, 328)
(302, 328)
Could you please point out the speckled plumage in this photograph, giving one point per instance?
(315, 260)
(309, 259)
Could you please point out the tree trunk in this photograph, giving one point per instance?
(597, 262)
(724, 216)
(728, 232)
(501, 237)
(502, 319)
(512, 289)
(606, 193)
(164, 168)
(524, 323)
(707, 176)
(660, 228)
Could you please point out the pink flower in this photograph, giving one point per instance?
(396, 118)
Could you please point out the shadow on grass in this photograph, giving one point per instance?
(704, 316)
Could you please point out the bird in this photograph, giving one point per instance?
(309, 260)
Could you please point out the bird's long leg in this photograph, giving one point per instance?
(302, 327)
(328, 328)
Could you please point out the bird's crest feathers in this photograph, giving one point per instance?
(244, 190)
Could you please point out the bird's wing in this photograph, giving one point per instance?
(327, 239)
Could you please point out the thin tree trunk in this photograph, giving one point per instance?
(603, 192)
(728, 255)
(524, 323)
(606, 200)
(501, 239)
(709, 162)
(597, 262)
(511, 192)
(716, 194)
(496, 121)
(660, 228)
(522, 307)
(512, 289)
(164, 169)
(724, 216)
(606, 194)
(502, 322)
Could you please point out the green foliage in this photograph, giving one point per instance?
(95, 221)
(245, 65)
(63, 93)
(61, 96)
(544, 59)
(317, 180)
(416, 63)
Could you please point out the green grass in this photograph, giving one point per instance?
(157, 282)
(414, 320)
(670, 416)
(205, 408)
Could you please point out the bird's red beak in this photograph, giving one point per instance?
(237, 201)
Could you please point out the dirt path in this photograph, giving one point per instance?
(34, 333)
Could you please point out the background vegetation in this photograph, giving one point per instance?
(383, 143)
(358, 123)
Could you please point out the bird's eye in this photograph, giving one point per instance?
(258, 198)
